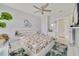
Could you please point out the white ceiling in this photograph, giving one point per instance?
(58, 9)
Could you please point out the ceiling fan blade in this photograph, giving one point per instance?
(36, 7)
(36, 11)
(46, 5)
(48, 10)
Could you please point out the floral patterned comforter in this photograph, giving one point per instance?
(35, 42)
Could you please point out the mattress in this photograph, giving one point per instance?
(36, 44)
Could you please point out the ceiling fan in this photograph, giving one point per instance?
(42, 9)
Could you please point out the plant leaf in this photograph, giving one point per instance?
(2, 24)
(6, 16)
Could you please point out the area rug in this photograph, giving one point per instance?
(58, 49)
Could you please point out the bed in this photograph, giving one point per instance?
(34, 43)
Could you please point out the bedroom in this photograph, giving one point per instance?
(49, 23)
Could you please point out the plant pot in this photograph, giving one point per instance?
(4, 49)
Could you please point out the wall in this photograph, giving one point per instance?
(18, 20)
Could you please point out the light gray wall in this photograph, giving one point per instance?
(18, 20)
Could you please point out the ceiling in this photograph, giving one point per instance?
(58, 9)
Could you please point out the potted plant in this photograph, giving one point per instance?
(4, 47)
